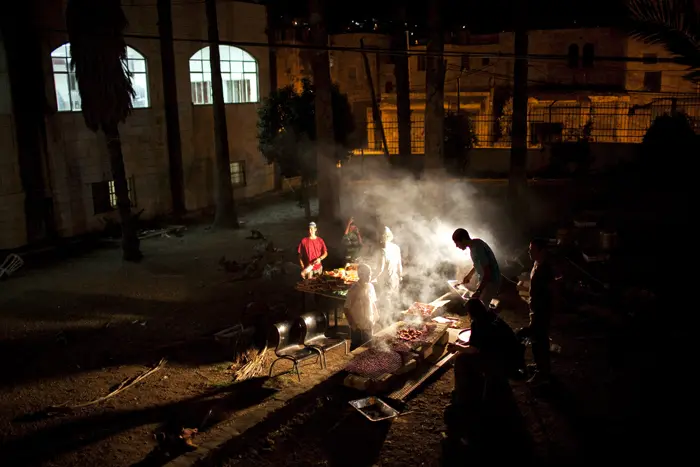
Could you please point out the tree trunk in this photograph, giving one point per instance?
(327, 174)
(272, 60)
(403, 91)
(517, 181)
(130, 239)
(305, 196)
(25, 57)
(172, 113)
(225, 216)
(435, 90)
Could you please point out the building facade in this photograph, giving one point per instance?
(77, 181)
(590, 91)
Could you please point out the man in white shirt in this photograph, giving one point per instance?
(390, 272)
(361, 307)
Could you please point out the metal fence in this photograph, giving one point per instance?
(600, 122)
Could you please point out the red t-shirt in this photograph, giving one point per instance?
(311, 249)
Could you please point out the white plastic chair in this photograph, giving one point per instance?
(11, 264)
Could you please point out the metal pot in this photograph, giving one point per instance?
(608, 240)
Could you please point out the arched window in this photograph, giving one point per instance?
(67, 94)
(572, 57)
(239, 74)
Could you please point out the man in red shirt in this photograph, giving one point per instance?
(312, 250)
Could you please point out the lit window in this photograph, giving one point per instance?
(238, 174)
(113, 193)
(239, 74)
(104, 196)
(66, 84)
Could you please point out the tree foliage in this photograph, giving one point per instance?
(98, 56)
(674, 24)
(287, 129)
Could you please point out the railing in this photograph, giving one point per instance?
(617, 122)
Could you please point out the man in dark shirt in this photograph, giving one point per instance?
(491, 357)
(541, 307)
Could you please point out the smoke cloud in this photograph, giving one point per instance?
(422, 215)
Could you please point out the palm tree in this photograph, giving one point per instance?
(674, 24)
(98, 57)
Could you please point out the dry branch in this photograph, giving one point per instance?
(123, 386)
(253, 364)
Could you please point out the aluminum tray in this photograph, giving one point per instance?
(382, 410)
(461, 290)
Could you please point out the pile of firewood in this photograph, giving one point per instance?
(250, 364)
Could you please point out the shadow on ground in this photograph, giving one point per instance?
(181, 332)
(198, 412)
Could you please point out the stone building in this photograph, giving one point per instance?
(76, 181)
(588, 84)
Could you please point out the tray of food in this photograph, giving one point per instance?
(374, 409)
(423, 310)
(415, 333)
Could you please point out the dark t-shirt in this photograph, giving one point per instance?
(497, 341)
(541, 293)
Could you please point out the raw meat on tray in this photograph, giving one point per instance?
(421, 309)
(374, 363)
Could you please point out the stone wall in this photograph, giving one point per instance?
(77, 157)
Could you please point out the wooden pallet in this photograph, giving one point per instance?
(420, 376)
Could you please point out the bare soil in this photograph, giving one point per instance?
(74, 329)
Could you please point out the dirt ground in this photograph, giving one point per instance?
(74, 329)
(589, 413)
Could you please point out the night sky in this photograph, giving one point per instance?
(478, 15)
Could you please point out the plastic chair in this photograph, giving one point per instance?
(316, 325)
(290, 346)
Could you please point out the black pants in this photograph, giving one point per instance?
(539, 338)
(359, 338)
(479, 382)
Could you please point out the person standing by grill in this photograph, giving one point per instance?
(390, 272)
(361, 307)
(482, 369)
(312, 250)
(352, 240)
(541, 306)
(486, 268)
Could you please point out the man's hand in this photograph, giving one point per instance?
(317, 261)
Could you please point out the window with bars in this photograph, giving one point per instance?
(237, 174)
(652, 81)
(104, 196)
(239, 75)
(66, 85)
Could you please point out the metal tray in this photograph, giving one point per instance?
(374, 409)
(461, 290)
